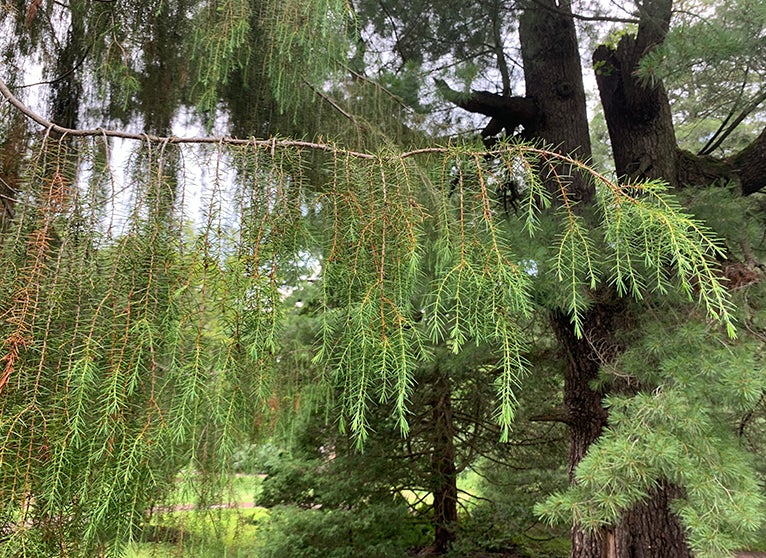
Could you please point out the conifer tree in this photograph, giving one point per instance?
(135, 339)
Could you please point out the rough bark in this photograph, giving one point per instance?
(650, 530)
(506, 113)
(640, 126)
(66, 90)
(749, 166)
(585, 415)
(643, 138)
(638, 115)
(640, 123)
(11, 157)
(443, 469)
(553, 79)
(643, 141)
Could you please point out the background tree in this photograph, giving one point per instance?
(641, 128)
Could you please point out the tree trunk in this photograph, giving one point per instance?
(643, 141)
(649, 530)
(443, 470)
(553, 79)
(638, 117)
(640, 123)
(640, 126)
(66, 86)
(585, 415)
(11, 157)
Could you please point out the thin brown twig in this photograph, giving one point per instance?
(272, 143)
(332, 103)
(53, 127)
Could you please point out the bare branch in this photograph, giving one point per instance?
(228, 140)
(727, 128)
(555, 415)
(580, 17)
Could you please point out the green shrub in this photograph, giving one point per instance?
(374, 531)
(342, 482)
(289, 480)
(492, 529)
(247, 459)
(486, 529)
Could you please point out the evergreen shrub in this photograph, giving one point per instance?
(380, 530)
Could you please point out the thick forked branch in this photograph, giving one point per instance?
(652, 30)
(506, 112)
(640, 121)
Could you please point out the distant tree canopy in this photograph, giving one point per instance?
(145, 269)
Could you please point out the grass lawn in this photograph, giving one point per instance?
(237, 489)
(203, 533)
(190, 533)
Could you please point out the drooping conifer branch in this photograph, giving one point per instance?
(174, 334)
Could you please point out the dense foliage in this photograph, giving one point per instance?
(170, 301)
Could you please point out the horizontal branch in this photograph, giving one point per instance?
(581, 17)
(487, 103)
(506, 112)
(746, 168)
(554, 415)
(274, 143)
(227, 140)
